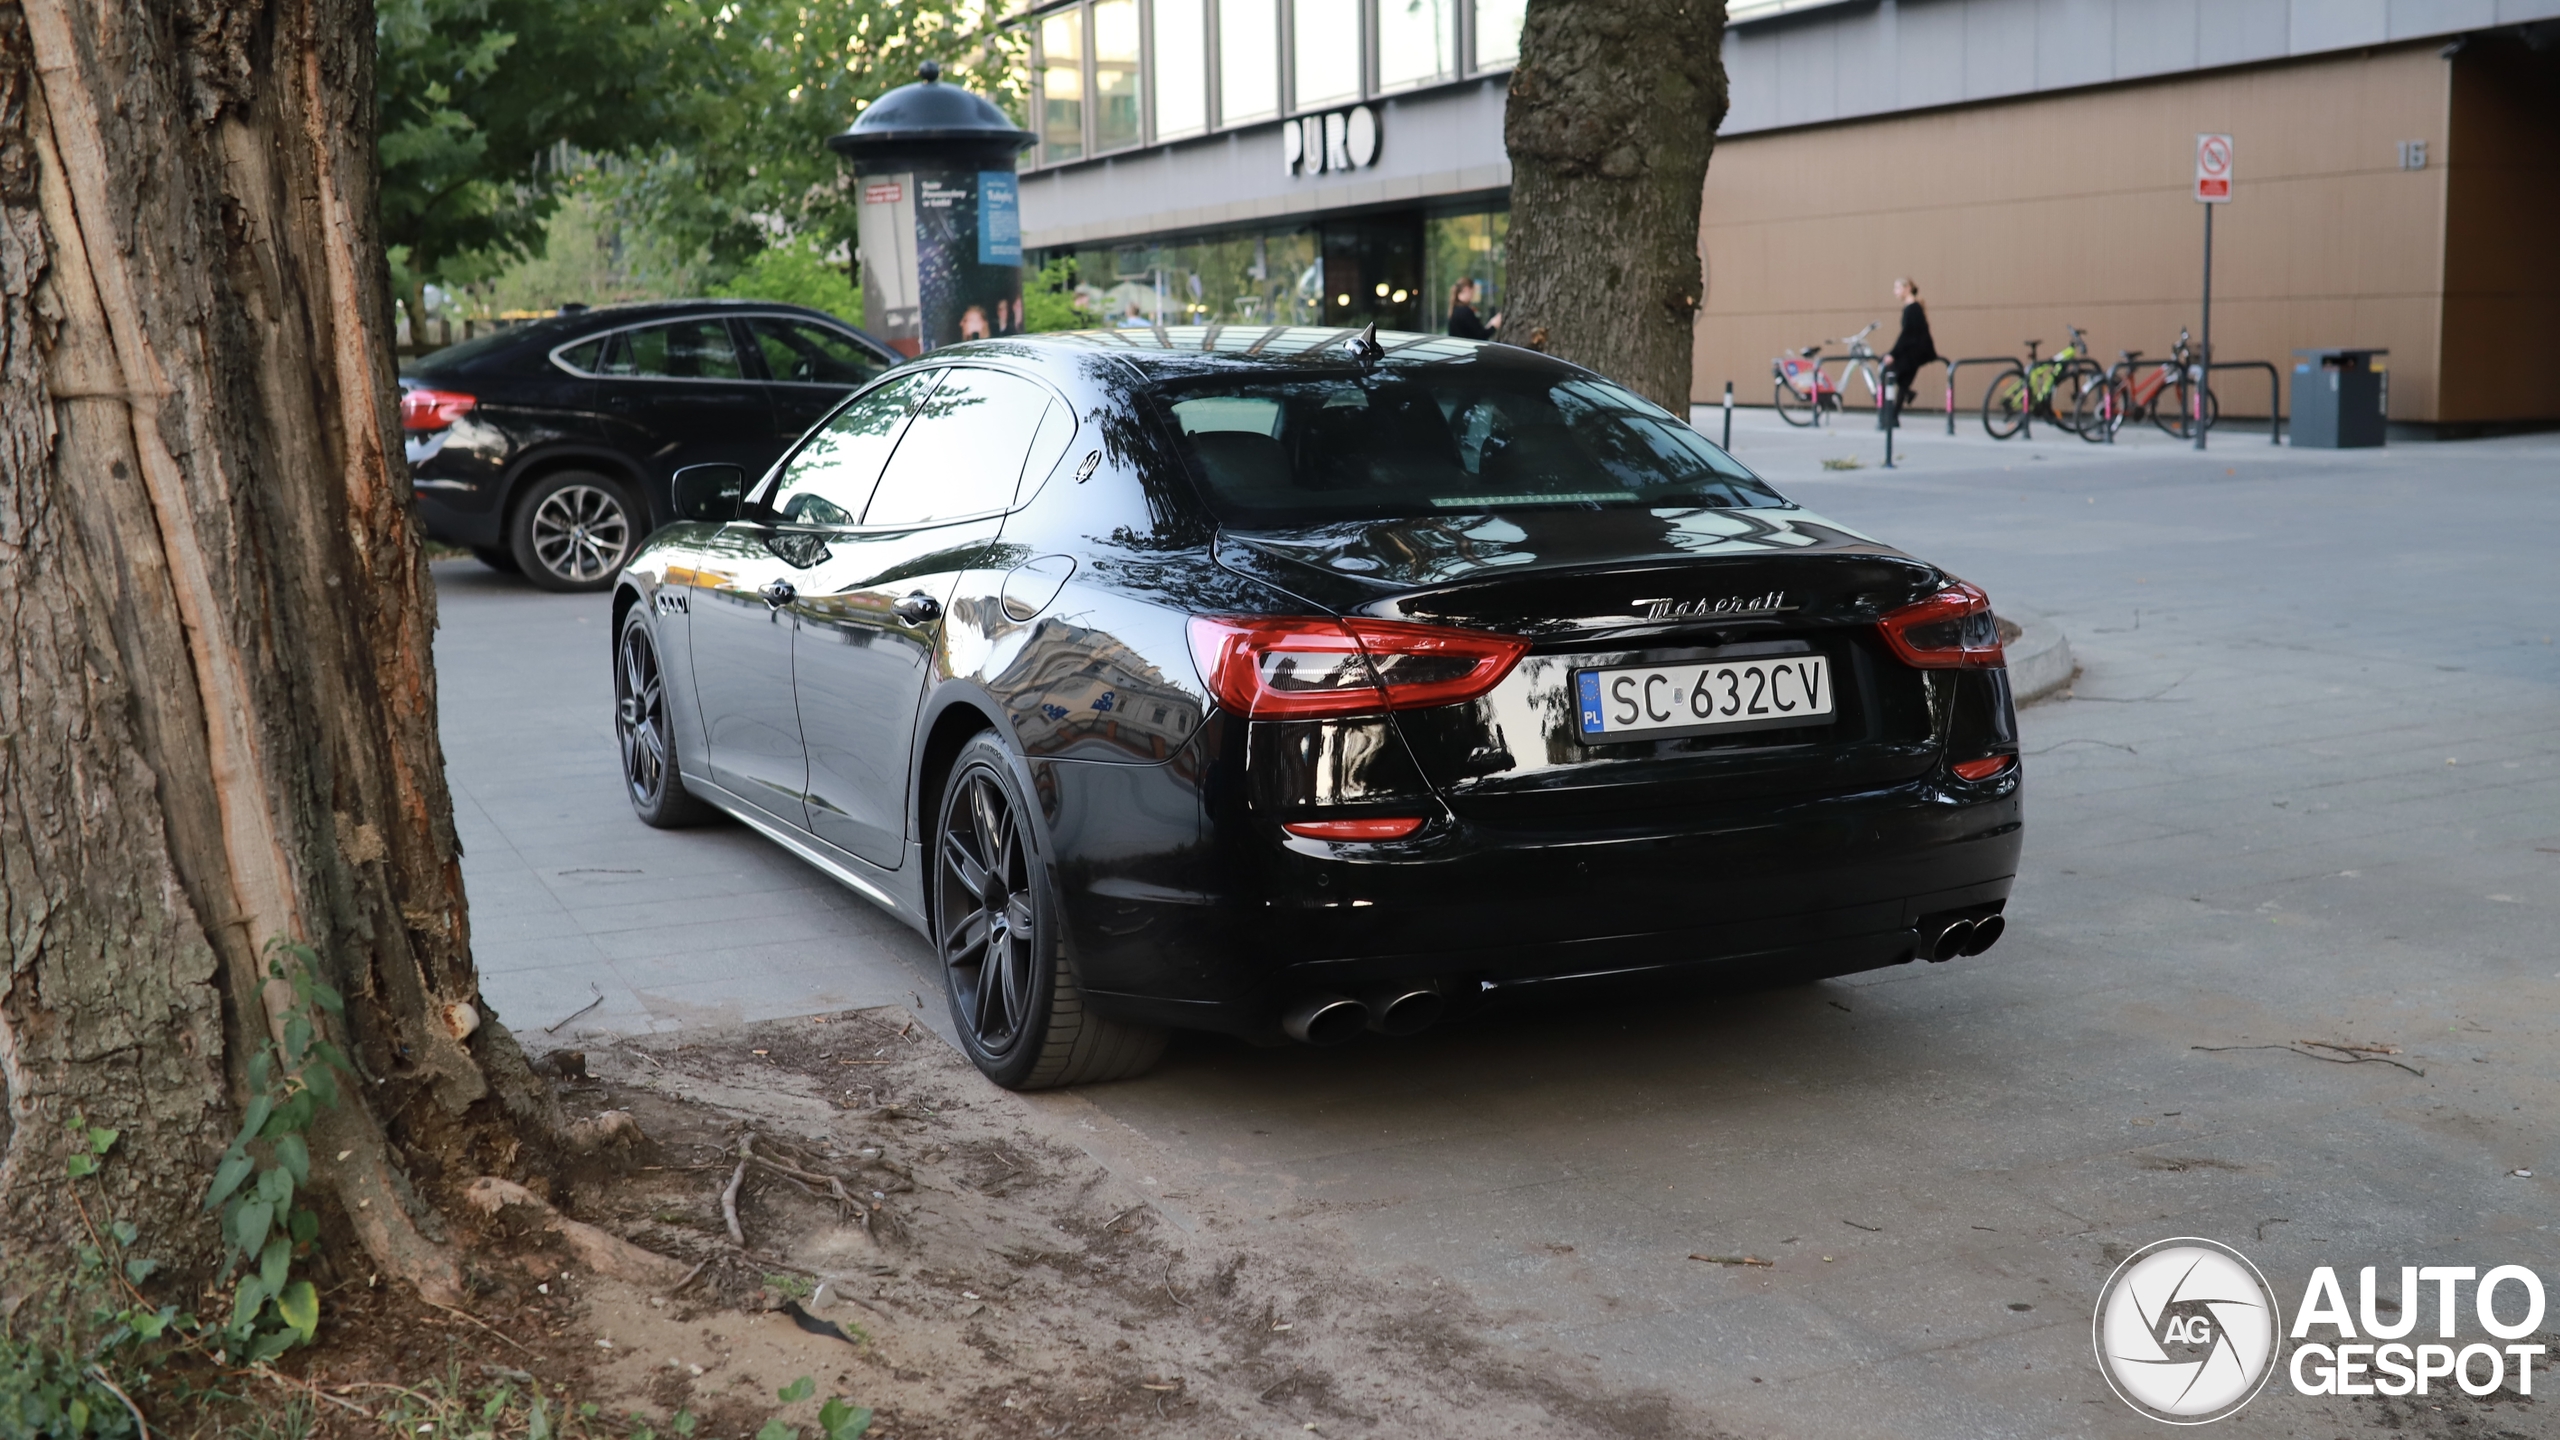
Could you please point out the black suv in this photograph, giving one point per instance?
(547, 449)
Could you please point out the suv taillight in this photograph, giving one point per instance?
(1307, 668)
(424, 409)
(1951, 630)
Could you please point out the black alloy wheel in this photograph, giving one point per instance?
(995, 923)
(640, 723)
(573, 530)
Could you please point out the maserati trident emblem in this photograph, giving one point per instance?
(1773, 603)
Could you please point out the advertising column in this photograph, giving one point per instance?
(941, 215)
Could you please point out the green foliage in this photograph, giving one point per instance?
(476, 95)
(796, 273)
(1049, 299)
(256, 1181)
(47, 1389)
(767, 81)
(837, 1420)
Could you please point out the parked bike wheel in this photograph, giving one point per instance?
(2174, 411)
(2062, 402)
(1794, 406)
(2101, 410)
(2004, 409)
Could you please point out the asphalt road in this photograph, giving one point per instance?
(2306, 789)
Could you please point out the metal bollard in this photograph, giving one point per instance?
(1728, 417)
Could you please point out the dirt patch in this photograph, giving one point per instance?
(964, 1261)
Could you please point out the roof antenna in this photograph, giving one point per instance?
(1365, 348)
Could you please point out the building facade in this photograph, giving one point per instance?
(2397, 175)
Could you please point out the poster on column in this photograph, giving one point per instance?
(968, 248)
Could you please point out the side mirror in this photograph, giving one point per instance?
(710, 492)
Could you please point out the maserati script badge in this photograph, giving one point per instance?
(1773, 603)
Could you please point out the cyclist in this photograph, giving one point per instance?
(1912, 348)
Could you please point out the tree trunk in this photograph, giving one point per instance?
(1613, 115)
(218, 726)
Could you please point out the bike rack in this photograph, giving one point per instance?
(2025, 423)
(2275, 392)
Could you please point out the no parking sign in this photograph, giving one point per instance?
(2213, 169)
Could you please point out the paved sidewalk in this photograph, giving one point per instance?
(573, 900)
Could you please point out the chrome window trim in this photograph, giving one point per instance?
(893, 359)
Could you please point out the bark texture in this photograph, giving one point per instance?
(1613, 116)
(217, 725)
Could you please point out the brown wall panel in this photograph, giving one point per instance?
(2020, 217)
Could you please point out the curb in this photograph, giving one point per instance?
(2040, 660)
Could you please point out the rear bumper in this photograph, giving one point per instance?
(454, 524)
(1770, 894)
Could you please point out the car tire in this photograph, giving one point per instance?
(640, 709)
(573, 529)
(996, 924)
(502, 561)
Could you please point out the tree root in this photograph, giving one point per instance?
(602, 1251)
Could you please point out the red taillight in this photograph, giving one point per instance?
(1376, 828)
(1306, 667)
(433, 409)
(1951, 630)
(1984, 768)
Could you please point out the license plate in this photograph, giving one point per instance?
(1651, 701)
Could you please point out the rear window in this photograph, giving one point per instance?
(1297, 448)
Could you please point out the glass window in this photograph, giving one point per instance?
(1181, 68)
(1415, 40)
(1062, 85)
(1498, 32)
(963, 455)
(1294, 449)
(829, 481)
(678, 350)
(1327, 52)
(1464, 247)
(800, 353)
(586, 357)
(1248, 60)
(1115, 74)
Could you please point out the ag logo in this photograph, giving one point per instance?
(2186, 1331)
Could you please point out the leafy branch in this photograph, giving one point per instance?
(268, 1164)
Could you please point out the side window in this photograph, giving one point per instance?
(829, 481)
(806, 354)
(697, 349)
(586, 356)
(964, 453)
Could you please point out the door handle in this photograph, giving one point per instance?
(779, 594)
(918, 609)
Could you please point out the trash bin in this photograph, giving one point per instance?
(2341, 398)
(940, 215)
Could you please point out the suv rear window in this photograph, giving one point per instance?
(1285, 449)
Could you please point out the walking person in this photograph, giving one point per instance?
(1911, 349)
(1462, 313)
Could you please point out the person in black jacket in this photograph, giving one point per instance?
(1913, 348)
(1462, 313)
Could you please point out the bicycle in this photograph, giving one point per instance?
(2046, 389)
(2164, 394)
(1805, 394)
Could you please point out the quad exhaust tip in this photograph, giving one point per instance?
(1334, 1019)
(1944, 937)
(1405, 1011)
(1324, 1020)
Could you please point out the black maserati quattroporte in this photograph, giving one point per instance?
(1296, 681)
